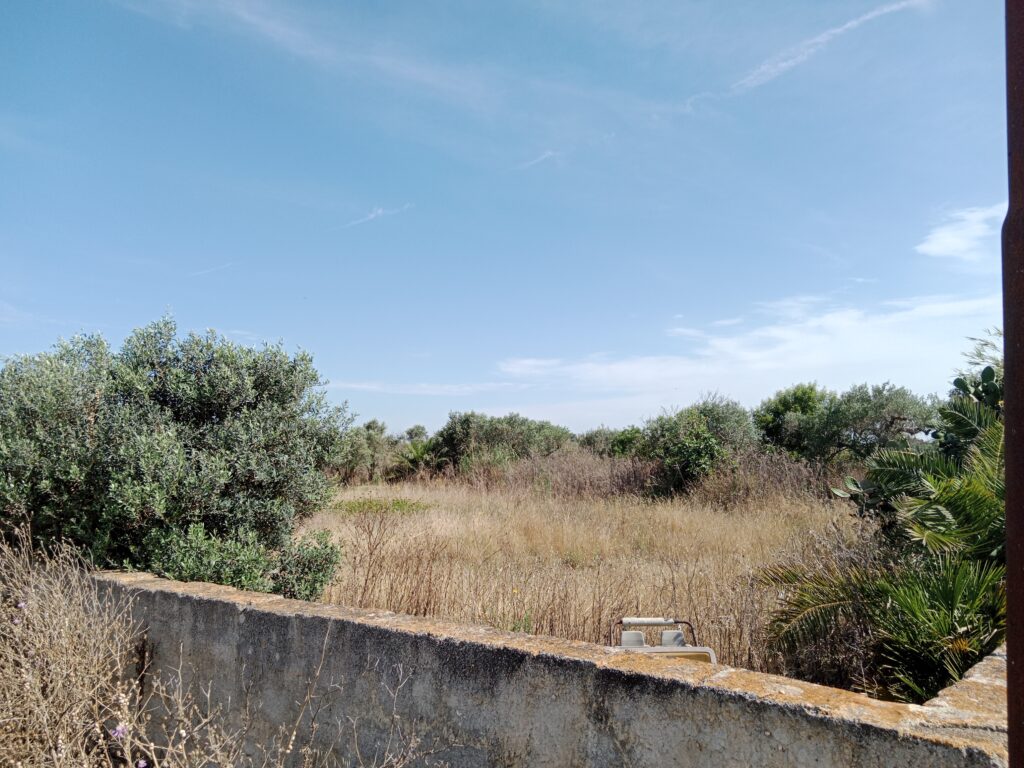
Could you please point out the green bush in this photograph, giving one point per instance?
(417, 433)
(684, 447)
(195, 555)
(305, 567)
(472, 440)
(730, 423)
(415, 459)
(603, 441)
(372, 506)
(626, 442)
(598, 440)
(780, 418)
(107, 449)
(368, 454)
(300, 570)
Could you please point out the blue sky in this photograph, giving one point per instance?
(586, 211)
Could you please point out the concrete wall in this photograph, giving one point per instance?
(489, 698)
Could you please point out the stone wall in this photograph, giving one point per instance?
(480, 697)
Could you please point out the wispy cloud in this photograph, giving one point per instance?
(482, 87)
(784, 61)
(254, 17)
(914, 341)
(280, 26)
(248, 337)
(792, 307)
(686, 333)
(10, 315)
(727, 322)
(376, 213)
(968, 235)
(211, 270)
(530, 366)
(547, 154)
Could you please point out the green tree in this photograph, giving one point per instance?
(369, 453)
(781, 417)
(864, 419)
(822, 426)
(598, 440)
(416, 434)
(471, 436)
(106, 448)
(684, 445)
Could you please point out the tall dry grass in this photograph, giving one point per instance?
(568, 472)
(568, 565)
(72, 692)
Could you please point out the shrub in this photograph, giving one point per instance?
(729, 422)
(113, 450)
(780, 417)
(301, 569)
(473, 440)
(673, 451)
(367, 454)
(417, 433)
(415, 459)
(611, 442)
(306, 567)
(758, 476)
(597, 441)
(684, 447)
(626, 442)
(197, 556)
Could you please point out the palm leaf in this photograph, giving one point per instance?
(813, 603)
(967, 418)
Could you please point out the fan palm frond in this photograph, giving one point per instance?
(813, 603)
(938, 621)
(967, 418)
(965, 513)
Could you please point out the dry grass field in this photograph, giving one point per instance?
(569, 566)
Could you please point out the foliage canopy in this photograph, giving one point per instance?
(106, 448)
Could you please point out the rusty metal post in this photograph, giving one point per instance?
(1013, 328)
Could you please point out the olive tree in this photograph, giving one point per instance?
(116, 450)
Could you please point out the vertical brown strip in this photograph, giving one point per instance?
(1013, 327)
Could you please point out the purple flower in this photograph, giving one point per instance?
(15, 620)
(119, 732)
(22, 605)
(141, 763)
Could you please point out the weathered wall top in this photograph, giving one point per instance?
(512, 699)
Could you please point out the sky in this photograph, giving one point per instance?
(587, 211)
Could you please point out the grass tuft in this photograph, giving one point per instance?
(526, 560)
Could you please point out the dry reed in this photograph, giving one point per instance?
(71, 692)
(568, 566)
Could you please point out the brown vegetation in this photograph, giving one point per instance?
(72, 695)
(568, 564)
